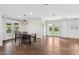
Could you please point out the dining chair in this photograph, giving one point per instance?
(25, 32)
(17, 35)
(25, 39)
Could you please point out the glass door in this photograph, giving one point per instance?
(53, 30)
(8, 30)
(15, 28)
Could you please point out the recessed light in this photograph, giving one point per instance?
(18, 16)
(30, 13)
(46, 4)
(50, 24)
(53, 14)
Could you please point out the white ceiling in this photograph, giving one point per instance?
(40, 10)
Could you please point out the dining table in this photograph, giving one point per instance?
(30, 35)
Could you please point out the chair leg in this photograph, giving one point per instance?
(19, 42)
(15, 37)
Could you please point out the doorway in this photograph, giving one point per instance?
(10, 30)
(53, 28)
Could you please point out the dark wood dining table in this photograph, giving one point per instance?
(30, 35)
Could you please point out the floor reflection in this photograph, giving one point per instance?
(46, 46)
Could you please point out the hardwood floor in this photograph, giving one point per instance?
(45, 46)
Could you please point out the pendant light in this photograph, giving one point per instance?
(24, 20)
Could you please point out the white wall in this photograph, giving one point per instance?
(34, 26)
(64, 28)
(73, 28)
(70, 28)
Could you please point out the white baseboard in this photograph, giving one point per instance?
(69, 37)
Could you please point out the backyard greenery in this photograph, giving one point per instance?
(54, 30)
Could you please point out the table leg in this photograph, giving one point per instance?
(29, 40)
(35, 38)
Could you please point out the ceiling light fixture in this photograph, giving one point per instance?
(30, 13)
(46, 4)
(53, 14)
(18, 16)
(24, 20)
